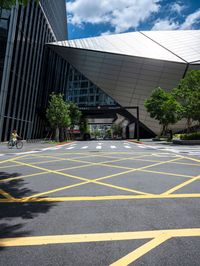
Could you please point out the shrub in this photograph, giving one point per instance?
(190, 136)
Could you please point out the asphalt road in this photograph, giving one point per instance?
(100, 203)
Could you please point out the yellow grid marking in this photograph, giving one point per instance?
(98, 237)
(139, 252)
(100, 198)
(166, 173)
(157, 237)
(96, 181)
(21, 177)
(6, 195)
(79, 178)
(104, 163)
(181, 185)
(13, 159)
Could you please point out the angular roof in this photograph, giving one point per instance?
(175, 46)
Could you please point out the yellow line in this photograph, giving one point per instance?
(57, 189)
(99, 237)
(166, 173)
(100, 198)
(139, 252)
(96, 181)
(156, 161)
(21, 177)
(181, 185)
(190, 158)
(139, 169)
(13, 159)
(6, 195)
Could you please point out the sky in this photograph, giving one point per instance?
(90, 18)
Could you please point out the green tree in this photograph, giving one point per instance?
(188, 94)
(58, 113)
(117, 130)
(84, 127)
(163, 107)
(7, 4)
(75, 114)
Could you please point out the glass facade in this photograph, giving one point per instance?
(24, 33)
(4, 25)
(84, 92)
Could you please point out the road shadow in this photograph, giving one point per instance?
(9, 212)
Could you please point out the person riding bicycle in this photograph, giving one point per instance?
(14, 137)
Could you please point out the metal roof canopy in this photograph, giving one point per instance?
(113, 109)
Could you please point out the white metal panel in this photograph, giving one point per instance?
(185, 43)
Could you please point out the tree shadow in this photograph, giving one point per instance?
(13, 210)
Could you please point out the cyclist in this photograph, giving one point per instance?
(14, 137)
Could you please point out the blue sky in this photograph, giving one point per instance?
(89, 18)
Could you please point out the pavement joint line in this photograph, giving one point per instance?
(79, 178)
(99, 198)
(175, 188)
(97, 237)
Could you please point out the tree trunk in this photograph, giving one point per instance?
(189, 122)
(57, 134)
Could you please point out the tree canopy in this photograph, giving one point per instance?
(188, 94)
(58, 113)
(75, 114)
(163, 107)
(7, 4)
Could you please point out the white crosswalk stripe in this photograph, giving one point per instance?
(69, 148)
(98, 147)
(127, 147)
(85, 147)
(113, 147)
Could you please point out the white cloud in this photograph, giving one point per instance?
(170, 24)
(191, 20)
(177, 7)
(120, 14)
(165, 24)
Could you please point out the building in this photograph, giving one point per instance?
(127, 67)
(115, 71)
(23, 58)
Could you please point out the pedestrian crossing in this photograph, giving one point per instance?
(113, 146)
(99, 146)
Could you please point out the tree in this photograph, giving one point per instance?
(75, 114)
(188, 94)
(117, 130)
(7, 4)
(58, 113)
(163, 107)
(84, 127)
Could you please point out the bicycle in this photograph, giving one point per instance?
(18, 144)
